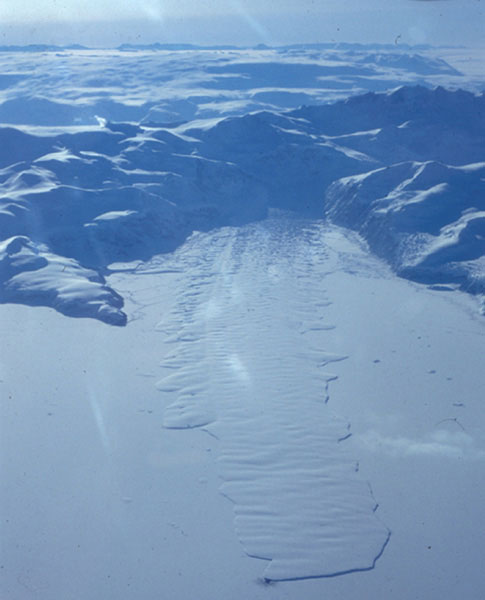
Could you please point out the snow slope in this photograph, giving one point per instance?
(426, 219)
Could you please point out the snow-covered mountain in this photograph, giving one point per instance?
(427, 219)
(402, 167)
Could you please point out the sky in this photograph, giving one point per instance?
(241, 22)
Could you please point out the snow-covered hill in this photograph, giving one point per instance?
(403, 168)
(426, 219)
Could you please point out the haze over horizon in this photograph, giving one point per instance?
(241, 22)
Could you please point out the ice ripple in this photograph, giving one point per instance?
(242, 369)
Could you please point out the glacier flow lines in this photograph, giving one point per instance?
(249, 365)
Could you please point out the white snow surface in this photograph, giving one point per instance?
(99, 499)
(168, 85)
(187, 196)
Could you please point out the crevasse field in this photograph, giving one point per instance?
(242, 323)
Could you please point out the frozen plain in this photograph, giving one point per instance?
(260, 324)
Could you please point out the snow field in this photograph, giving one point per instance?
(99, 498)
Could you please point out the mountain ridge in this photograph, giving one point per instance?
(126, 192)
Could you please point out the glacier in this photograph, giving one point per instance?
(272, 232)
(403, 168)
